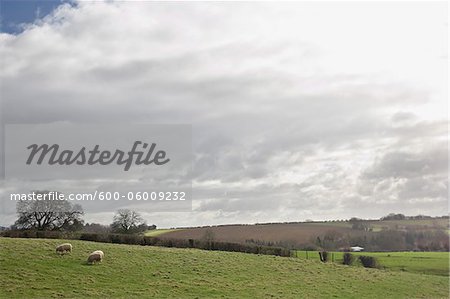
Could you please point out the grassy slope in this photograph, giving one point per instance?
(30, 268)
(434, 263)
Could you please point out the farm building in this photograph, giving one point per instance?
(356, 248)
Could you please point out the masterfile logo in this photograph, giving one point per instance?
(96, 156)
(65, 151)
(103, 166)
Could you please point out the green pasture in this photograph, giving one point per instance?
(434, 263)
(30, 268)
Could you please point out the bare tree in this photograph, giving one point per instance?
(48, 214)
(208, 237)
(128, 221)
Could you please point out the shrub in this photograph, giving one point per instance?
(369, 261)
(48, 234)
(348, 259)
(89, 237)
(323, 256)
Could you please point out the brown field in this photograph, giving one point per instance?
(422, 224)
(296, 233)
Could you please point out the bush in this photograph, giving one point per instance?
(47, 234)
(369, 261)
(323, 256)
(348, 259)
(89, 237)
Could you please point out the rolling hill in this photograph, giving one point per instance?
(30, 268)
(304, 234)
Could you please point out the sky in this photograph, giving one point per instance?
(14, 14)
(299, 110)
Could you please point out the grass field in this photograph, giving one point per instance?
(30, 268)
(433, 263)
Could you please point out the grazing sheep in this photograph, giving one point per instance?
(100, 252)
(63, 248)
(95, 257)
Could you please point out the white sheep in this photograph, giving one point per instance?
(100, 252)
(63, 248)
(94, 257)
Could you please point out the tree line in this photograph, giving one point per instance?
(62, 215)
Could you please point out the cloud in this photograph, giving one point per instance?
(415, 180)
(397, 164)
(296, 112)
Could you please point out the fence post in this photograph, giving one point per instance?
(306, 254)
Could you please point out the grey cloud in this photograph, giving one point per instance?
(263, 108)
(409, 164)
(406, 180)
(402, 116)
(435, 187)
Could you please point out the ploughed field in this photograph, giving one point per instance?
(299, 233)
(30, 268)
(296, 232)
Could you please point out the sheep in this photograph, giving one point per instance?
(100, 252)
(63, 248)
(95, 256)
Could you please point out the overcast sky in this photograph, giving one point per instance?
(299, 110)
